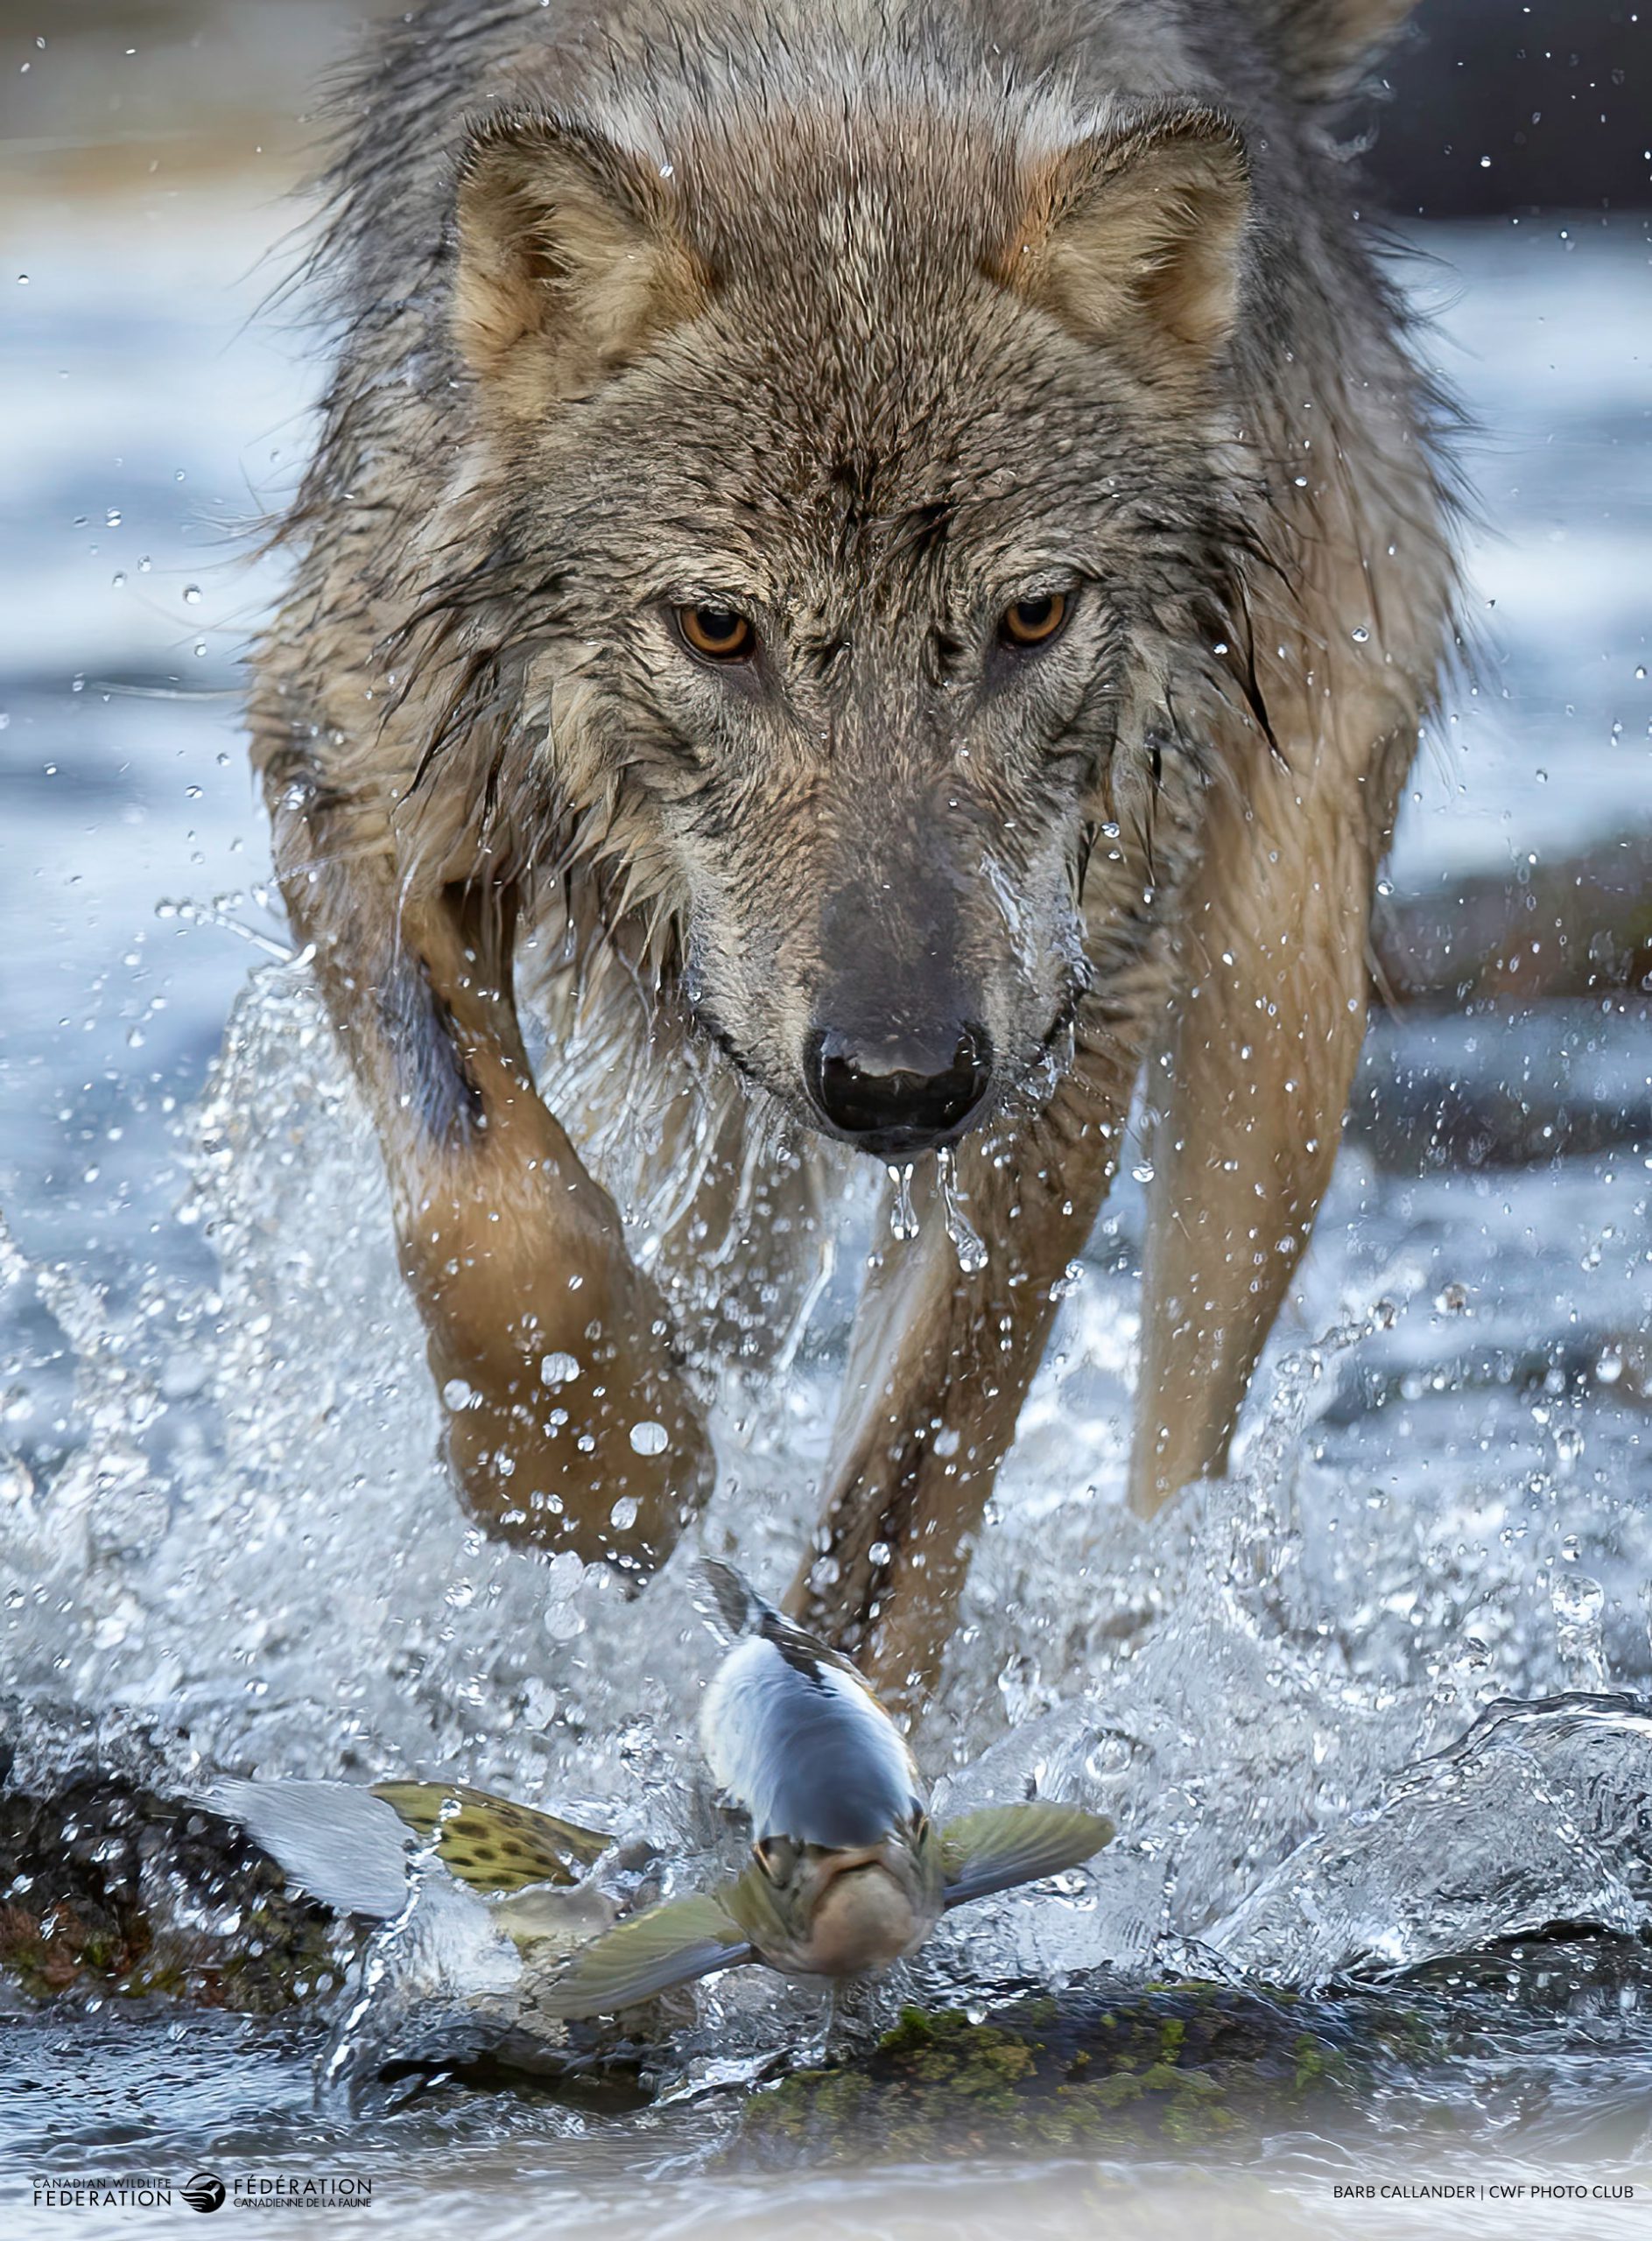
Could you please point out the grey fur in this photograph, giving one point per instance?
(864, 431)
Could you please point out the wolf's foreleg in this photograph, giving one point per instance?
(1250, 1090)
(568, 1423)
(939, 1368)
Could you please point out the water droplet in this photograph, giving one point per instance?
(623, 1516)
(192, 594)
(1580, 1603)
(457, 1393)
(649, 1438)
(1361, 634)
(559, 1369)
(903, 1220)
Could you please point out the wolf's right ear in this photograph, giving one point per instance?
(571, 262)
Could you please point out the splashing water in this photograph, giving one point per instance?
(248, 1537)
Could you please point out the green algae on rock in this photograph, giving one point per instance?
(1116, 2064)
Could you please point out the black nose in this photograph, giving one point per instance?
(898, 1092)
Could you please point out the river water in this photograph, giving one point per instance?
(1368, 1712)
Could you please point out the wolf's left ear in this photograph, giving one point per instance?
(1134, 233)
(571, 262)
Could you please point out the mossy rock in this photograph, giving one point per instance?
(1188, 2065)
(111, 1889)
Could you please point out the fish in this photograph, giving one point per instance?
(847, 1874)
(350, 1845)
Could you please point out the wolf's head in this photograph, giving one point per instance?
(856, 475)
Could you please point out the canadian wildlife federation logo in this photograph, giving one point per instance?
(204, 2191)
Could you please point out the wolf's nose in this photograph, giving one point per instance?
(898, 1092)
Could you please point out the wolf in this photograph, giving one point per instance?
(867, 588)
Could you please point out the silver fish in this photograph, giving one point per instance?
(847, 1873)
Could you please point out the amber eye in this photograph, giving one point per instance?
(717, 633)
(1034, 622)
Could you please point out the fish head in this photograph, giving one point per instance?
(839, 1911)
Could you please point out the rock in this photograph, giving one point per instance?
(1576, 926)
(1480, 1091)
(1109, 2064)
(113, 1889)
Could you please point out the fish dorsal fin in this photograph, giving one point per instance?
(742, 1613)
(1007, 1845)
(739, 1607)
(488, 1842)
(669, 1945)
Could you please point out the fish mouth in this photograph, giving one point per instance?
(863, 1917)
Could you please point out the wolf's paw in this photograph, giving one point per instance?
(589, 1455)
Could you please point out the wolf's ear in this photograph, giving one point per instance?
(570, 262)
(1135, 232)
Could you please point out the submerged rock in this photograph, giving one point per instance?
(109, 1889)
(1107, 2063)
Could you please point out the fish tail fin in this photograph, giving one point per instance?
(739, 1612)
(334, 1840)
(490, 1842)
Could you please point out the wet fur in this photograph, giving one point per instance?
(880, 305)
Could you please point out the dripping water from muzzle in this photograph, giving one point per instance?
(902, 1216)
(966, 1242)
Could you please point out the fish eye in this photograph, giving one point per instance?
(716, 634)
(777, 1856)
(1031, 623)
